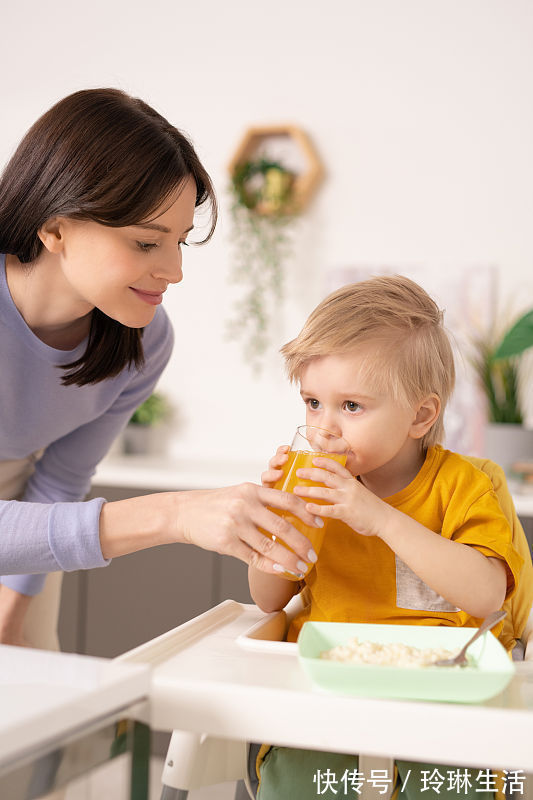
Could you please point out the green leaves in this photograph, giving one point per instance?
(263, 185)
(153, 410)
(517, 339)
(499, 380)
(497, 363)
(498, 368)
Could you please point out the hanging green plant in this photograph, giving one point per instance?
(263, 186)
(261, 216)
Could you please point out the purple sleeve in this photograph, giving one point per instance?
(43, 536)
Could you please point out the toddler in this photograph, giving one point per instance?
(415, 532)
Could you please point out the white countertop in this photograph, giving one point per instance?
(164, 474)
(45, 695)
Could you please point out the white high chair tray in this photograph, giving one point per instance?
(207, 679)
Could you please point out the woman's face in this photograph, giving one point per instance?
(125, 271)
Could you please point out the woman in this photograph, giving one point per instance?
(95, 207)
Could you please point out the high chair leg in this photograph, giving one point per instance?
(194, 760)
(378, 774)
(169, 793)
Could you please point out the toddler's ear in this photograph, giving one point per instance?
(427, 413)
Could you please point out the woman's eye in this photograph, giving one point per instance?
(145, 246)
(186, 244)
(312, 403)
(352, 406)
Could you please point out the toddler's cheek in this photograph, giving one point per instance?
(351, 465)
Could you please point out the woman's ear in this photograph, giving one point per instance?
(51, 234)
(427, 413)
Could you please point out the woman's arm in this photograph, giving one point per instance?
(225, 520)
(43, 537)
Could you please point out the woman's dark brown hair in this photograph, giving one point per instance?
(104, 156)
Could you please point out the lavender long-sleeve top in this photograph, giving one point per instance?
(49, 528)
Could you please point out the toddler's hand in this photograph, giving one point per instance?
(347, 498)
(275, 471)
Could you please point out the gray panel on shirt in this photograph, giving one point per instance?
(414, 594)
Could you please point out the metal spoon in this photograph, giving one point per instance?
(460, 659)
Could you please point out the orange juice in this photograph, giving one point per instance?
(300, 459)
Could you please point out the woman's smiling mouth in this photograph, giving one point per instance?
(152, 298)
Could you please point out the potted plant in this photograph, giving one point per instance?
(261, 216)
(139, 434)
(499, 366)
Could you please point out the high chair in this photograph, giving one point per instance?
(196, 760)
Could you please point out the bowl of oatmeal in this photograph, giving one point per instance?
(396, 661)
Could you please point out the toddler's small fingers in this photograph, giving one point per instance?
(270, 476)
(277, 462)
(320, 510)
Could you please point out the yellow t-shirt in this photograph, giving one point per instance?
(360, 579)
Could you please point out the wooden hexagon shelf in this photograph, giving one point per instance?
(305, 182)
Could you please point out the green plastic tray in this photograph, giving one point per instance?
(491, 673)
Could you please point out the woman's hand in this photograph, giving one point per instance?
(228, 520)
(275, 466)
(347, 498)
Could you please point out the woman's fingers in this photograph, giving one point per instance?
(228, 520)
(270, 555)
(264, 541)
(262, 562)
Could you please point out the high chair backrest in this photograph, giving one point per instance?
(518, 624)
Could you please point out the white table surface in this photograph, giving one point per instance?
(164, 474)
(46, 695)
(205, 681)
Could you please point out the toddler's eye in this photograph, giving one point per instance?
(352, 406)
(312, 403)
(146, 246)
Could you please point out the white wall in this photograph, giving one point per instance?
(421, 111)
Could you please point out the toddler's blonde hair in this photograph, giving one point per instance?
(399, 331)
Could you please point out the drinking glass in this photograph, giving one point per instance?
(308, 443)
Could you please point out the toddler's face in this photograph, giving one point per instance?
(339, 397)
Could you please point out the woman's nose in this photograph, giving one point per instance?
(170, 269)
